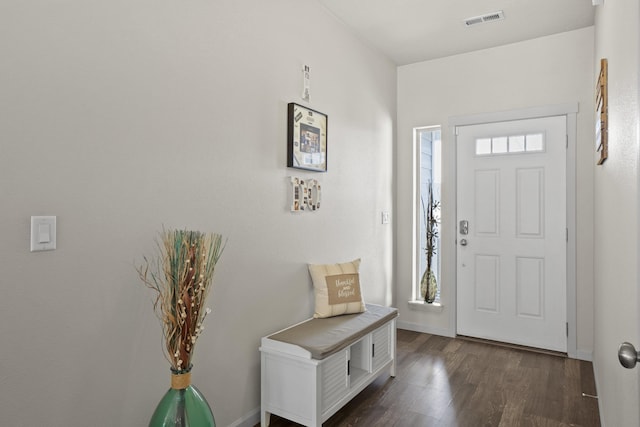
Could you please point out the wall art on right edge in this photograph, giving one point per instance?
(602, 134)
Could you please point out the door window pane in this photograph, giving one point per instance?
(531, 143)
(483, 146)
(535, 142)
(516, 144)
(499, 145)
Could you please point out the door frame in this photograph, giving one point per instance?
(569, 111)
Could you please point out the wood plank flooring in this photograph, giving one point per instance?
(446, 382)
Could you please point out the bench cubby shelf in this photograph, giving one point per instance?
(307, 389)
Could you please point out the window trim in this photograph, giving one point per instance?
(416, 301)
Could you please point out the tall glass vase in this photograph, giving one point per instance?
(183, 405)
(428, 286)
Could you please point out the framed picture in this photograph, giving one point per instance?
(306, 138)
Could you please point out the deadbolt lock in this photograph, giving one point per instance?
(464, 227)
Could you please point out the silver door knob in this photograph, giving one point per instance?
(463, 242)
(628, 356)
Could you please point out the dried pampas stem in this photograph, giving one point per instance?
(182, 276)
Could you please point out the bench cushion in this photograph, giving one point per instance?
(324, 337)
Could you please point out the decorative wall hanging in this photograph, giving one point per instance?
(306, 79)
(306, 139)
(602, 105)
(305, 194)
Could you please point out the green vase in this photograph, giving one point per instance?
(182, 406)
(428, 286)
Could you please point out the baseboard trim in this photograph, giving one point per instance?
(585, 355)
(248, 420)
(426, 329)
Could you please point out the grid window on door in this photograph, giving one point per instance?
(512, 144)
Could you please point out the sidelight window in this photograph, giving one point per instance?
(428, 142)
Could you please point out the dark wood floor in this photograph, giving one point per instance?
(446, 382)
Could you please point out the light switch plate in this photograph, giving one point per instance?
(43, 233)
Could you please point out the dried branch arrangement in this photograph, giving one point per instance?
(181, 275)
(431, 221)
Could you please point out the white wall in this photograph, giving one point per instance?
(616, 216)
(123, 116)
(552, 70)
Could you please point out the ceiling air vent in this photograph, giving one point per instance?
(489, 17)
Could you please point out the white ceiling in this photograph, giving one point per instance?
(409, 31)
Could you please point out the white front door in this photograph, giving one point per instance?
(511, 259)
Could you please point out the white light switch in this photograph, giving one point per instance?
(43, 233)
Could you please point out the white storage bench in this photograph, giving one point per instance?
(311, 370)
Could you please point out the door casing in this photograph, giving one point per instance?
(569, 111)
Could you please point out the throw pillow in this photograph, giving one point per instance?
(337, 289)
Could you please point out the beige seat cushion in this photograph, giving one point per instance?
(324, 337)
